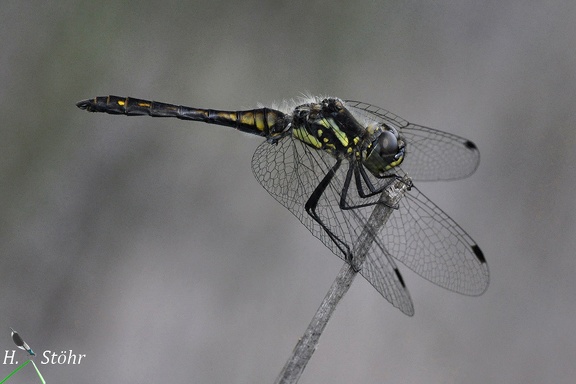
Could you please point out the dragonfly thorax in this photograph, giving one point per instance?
(327, 125)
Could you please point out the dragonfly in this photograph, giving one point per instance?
(20, 343)
(328, 160)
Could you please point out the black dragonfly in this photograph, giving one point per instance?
(20, 343)
(328, 160)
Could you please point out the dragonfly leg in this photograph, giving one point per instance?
(361, 176)
(312, 204)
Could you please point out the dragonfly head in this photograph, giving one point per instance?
(385, 152)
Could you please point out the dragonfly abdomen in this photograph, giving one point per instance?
(262, 121)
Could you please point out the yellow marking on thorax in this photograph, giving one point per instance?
(302, 135)
(325, 123)
(341, 136)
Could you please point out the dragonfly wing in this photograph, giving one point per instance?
(435, 155)
(290, 171)
(381, 271)
(425, 239)
(430, 154)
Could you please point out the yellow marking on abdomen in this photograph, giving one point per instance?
(259, 120)
(247, 118)
(227, 116)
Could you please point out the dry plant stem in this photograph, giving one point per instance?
(306, 346)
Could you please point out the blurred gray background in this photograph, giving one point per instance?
(148, 245)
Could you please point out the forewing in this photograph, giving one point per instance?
(430, 154)
(290, 171)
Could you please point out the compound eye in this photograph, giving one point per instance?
(388, 144)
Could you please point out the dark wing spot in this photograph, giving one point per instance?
(470, 145)
(478, 253)
(399, 277)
